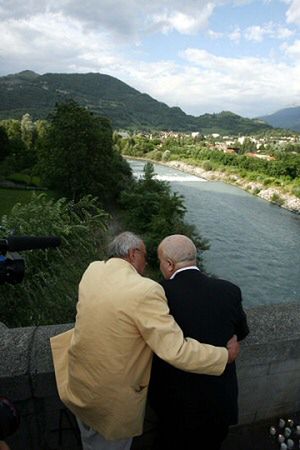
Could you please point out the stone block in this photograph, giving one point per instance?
(245, 371)
(289, 366)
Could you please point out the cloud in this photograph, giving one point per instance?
(257, 33)
(235, 35)
(184, 23)
(52, 42)
(214, 34)
(244, 85)
(128, 19)
(207, 83)
(293, 12)
(124, 18)
(293, 50)
(119, 17)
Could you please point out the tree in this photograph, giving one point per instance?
(4, 144)
(28, 131)
(77, 156)
(16, 160)
(12, 127)
(21, 135)
(41, 128)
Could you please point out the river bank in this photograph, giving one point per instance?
(274, 195)
(271, 194)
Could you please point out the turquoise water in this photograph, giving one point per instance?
(253, 243)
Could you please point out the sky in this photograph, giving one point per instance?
(203, 56)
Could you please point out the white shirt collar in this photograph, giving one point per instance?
(182, 269)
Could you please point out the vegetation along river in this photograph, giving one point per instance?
(253, 243)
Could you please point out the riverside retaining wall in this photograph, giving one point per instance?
(268, 371)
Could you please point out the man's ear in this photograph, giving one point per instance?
(131, 255)
(171, 266)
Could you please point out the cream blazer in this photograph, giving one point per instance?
(103, 365)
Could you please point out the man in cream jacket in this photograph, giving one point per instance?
(103, 364)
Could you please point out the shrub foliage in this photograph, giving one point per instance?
(48, 293)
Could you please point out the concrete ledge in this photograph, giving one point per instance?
(268, 370)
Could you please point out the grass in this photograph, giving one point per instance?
(24, 179)
(9, 197)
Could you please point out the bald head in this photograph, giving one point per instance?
(174, 252)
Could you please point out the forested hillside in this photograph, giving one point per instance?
(127, 108)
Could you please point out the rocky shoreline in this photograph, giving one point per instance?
(272, 194)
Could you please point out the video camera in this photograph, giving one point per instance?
(12, 265)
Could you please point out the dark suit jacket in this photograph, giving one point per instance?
(209, 310)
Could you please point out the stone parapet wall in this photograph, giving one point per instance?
(268, 368)
(268, 371)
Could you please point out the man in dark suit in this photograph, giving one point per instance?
(195, 411)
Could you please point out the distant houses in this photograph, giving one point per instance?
(250, 146)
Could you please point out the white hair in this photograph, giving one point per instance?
(122, 243)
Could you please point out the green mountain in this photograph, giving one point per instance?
(285, 118)
(127, 108)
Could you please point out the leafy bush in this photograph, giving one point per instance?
(166, 155)
(48, 293)
(296, 191)
(252, 176)
(156, 155)
(256, 191)
(276, 199)
(268, 181)
(207, 165)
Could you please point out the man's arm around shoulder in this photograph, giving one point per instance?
(165, 338)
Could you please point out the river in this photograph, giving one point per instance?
(253, 243)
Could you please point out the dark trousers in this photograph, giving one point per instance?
(186, 425)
